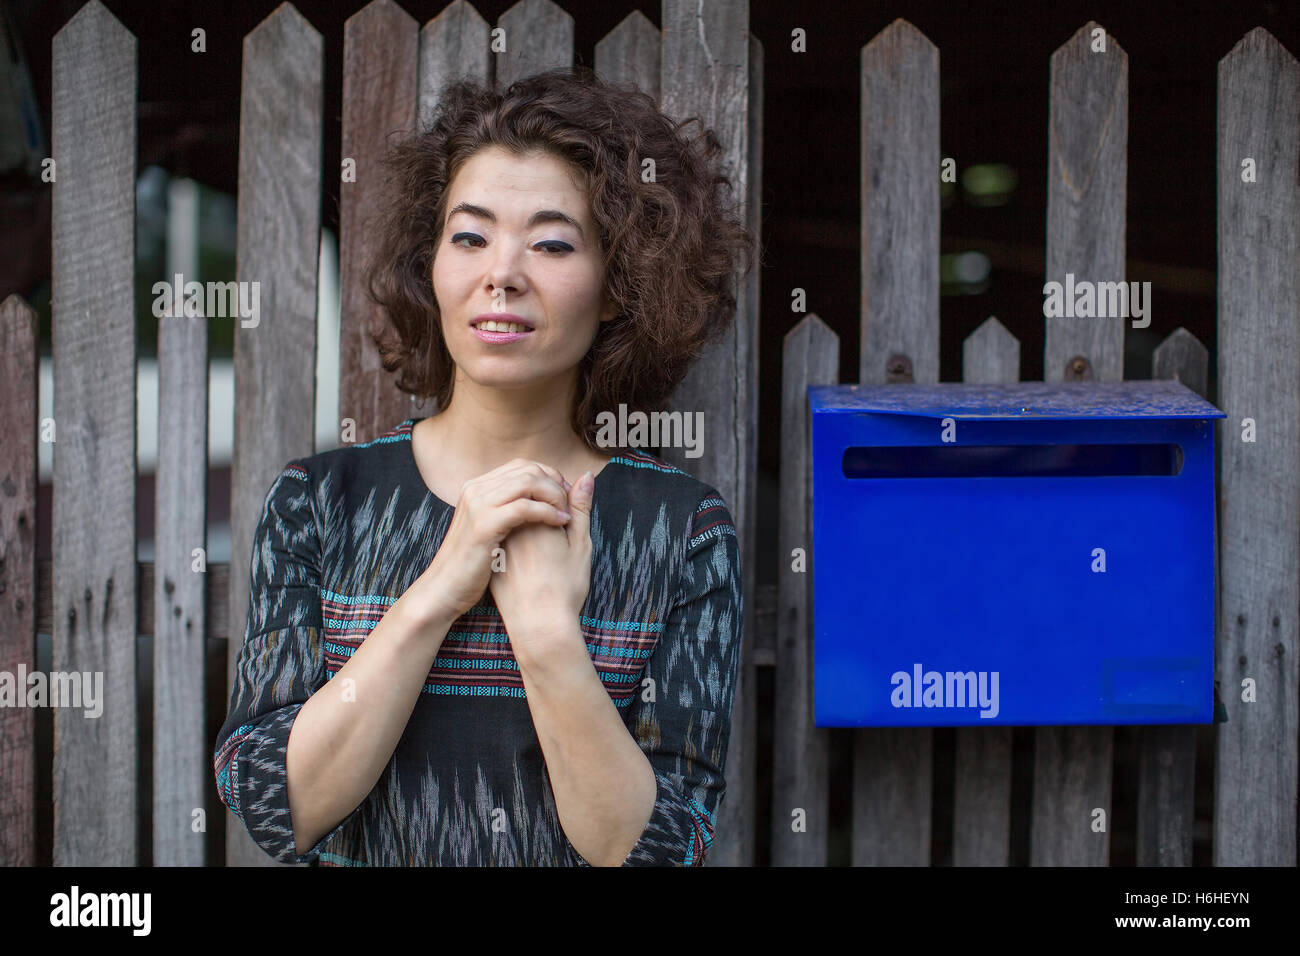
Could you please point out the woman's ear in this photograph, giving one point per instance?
(609, 311)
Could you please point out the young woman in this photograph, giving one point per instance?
(490, 637)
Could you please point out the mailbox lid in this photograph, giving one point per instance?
(1153, 399)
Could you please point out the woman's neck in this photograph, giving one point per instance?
(464, 450)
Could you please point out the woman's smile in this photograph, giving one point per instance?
(499, 333)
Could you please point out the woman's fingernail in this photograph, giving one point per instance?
(566, 484)
(563, 514)
(587, 481)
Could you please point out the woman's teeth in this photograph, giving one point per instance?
(493, 326)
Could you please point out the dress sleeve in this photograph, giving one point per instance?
(281, 664)
(684, 729)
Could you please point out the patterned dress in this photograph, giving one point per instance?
(345, 532)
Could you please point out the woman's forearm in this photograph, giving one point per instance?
(604, 785)
(346, 732)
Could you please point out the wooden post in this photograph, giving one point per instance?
(93, 260)
(892, 767)
(1086, 174)
(279, 236)
(1259, 492)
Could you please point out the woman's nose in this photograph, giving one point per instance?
(504, 273)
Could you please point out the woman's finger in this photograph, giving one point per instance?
(534, 481)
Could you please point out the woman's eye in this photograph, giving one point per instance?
(553, 246)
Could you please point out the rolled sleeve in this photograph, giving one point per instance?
(281, 664)
(684, 728)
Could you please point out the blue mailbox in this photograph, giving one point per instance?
(1023, 554)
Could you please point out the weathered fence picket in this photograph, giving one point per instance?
(1259, 497)
(19, 377)
(1087, 164)
(892, 772)
(381, 55)
(706, 72)
(981, 827)
(800, 750)
(182, 772)
(531, 36)
(1167, 752)
(280, 140)
(453, 44)
(629, 54)
(94, 344)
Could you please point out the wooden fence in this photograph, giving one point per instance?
(95, 598)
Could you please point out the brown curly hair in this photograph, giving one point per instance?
(670, 246)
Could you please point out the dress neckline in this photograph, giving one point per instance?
(410, 462)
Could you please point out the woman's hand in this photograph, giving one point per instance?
(490, 507)
(543, 586)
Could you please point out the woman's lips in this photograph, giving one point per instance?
(499, 338)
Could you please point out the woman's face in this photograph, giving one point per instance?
(518, 240)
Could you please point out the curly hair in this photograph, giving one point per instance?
(670, 245)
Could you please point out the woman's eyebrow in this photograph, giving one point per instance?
(542, 215)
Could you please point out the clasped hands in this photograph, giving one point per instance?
(541, 580)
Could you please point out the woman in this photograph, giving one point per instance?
(542, 674)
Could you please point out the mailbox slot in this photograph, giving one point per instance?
(1011, 461)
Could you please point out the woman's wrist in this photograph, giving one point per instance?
(422, 611)
(547, 637)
